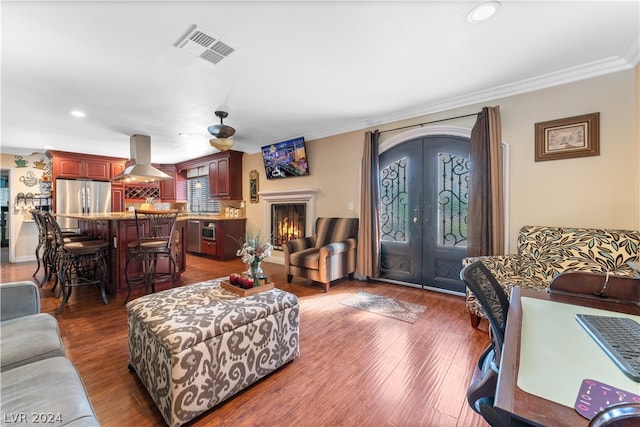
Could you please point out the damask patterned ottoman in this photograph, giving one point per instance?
(195, 346)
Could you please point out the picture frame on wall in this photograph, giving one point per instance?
(577, 136)
(253, 186)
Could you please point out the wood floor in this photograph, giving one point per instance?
(355, 368)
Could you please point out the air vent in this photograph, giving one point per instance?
(198, 43)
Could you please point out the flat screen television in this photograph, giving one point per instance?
(285, 159)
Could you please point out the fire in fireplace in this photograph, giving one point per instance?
(287, 222)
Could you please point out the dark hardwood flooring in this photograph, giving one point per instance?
(355, 368)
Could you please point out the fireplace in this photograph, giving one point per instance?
(299, 220)
(288, 222)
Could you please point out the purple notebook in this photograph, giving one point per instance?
(595, 396)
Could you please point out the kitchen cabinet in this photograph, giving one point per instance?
(228, 235)
(76, 167)
(117, 187)
(225, 175)
(117, 198)
(209, 248)
(168, 187)
(181, 186)
(116, 169)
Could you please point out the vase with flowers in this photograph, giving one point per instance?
(253, 251)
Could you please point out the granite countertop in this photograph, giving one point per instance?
(110, 216)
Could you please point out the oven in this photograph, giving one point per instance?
(209, 231)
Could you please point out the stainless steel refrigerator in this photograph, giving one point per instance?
(81, 196)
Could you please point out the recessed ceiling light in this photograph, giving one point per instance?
(78, 113)
(483, 11)
(184, 134)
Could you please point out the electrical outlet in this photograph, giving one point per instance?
(350, 206)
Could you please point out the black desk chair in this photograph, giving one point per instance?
(618, 415)
(155, 230)
(495, 303)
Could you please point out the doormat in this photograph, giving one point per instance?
(401, 310)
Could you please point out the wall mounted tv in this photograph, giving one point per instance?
(285, 159)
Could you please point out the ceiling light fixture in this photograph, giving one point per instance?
(222, 133)
(78, 113)
(483, 11)
(184, 135)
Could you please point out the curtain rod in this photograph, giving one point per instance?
(428, 123)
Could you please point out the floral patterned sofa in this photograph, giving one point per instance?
(544, 252)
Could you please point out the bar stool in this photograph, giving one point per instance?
(49, 257)
(155, 230)
(78, 262)
(44, 251)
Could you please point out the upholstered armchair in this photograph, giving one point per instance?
(326, 256)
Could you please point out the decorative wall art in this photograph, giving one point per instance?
(567, 138)
(30, 179)
(253, 186)
(40, 164)
(20, 162)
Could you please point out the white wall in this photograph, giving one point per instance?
(599, 191)
(23, 233)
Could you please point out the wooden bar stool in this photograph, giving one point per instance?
(155, 230)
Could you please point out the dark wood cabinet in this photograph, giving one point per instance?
(208, 247)
(168, 187)
(70, 167)
(225, 176)
(117, 198)
(116, 169)
(181, 187)
(228, 235)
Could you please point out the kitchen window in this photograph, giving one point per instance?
(198, 192)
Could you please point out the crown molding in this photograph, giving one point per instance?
(568, 75)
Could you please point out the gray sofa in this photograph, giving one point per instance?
(38, 384)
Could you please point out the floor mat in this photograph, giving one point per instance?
(401, 310)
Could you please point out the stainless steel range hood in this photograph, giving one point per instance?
(140, 169)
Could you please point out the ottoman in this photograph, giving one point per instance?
(195, 346)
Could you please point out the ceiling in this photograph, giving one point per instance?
(299, 68)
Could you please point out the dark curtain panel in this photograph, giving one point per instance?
(369, 232)
(486, 189)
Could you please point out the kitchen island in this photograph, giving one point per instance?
(119, 228)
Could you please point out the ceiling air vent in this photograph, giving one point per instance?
(198, 43)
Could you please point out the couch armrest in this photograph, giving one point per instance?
(337, 248)
(18, 299)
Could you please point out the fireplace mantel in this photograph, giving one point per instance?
(304, 193)
(296, 195)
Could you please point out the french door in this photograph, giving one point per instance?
(423, 211)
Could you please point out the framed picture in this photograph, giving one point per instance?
(253, 186)
(577, 136)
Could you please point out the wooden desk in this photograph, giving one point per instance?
(523, 405)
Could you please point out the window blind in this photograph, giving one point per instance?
(198, 193)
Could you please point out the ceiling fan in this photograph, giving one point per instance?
(222, 133)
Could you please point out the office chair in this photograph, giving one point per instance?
(626, 414)
(493, 300)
